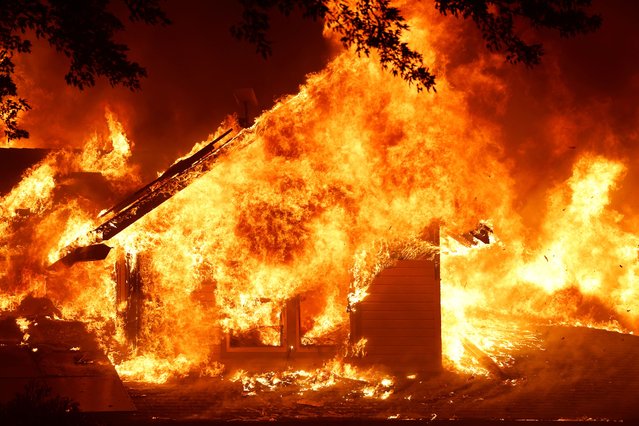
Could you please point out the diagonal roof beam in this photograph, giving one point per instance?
(142, 201)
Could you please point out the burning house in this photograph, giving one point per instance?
(401, 317)
(327, 247)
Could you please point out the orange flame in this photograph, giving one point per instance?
(317, 198)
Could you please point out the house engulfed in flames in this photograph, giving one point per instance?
(395, 318)
(333, 186)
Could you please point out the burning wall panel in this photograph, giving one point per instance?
(400, 318)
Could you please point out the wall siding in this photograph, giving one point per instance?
(401, 317)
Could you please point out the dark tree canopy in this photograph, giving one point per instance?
(84, 30)
(368, 25)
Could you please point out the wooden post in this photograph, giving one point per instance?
(129, 293)
(292, 338)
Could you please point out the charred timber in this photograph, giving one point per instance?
(132, 208)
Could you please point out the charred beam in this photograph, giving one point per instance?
(177, 168)
(141, 202)
(83, 254)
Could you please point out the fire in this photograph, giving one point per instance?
(43, 214)
(110, 156)
(368, 383)
(598, 240)
(326, 190)
(582, 271)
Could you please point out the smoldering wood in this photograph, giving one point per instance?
(84, 254)
(172, 181)
(484, 360)
(481, 234)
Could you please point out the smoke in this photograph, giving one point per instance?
(194, 66)
(581, 99)
(357, 157)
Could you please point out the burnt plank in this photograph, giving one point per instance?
(411, 272)
(391, 332)
(395, 340)
(415, 349)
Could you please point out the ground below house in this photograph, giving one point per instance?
(578, 374)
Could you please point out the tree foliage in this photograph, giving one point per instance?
(375, 25)
(365, 25)
(83, 31)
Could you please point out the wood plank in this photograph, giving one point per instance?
(419, 272)
(388, 350)
(431, 305)
(416, 315)
(394, 340)
(417, 281)
(422, 348)
(417, 333)
(403, 288)
(398, 323)
(401, 297)
(415, 263)
(425, 349)
(418, 362)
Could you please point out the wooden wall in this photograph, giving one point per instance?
(401, 317)
(129, 291)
